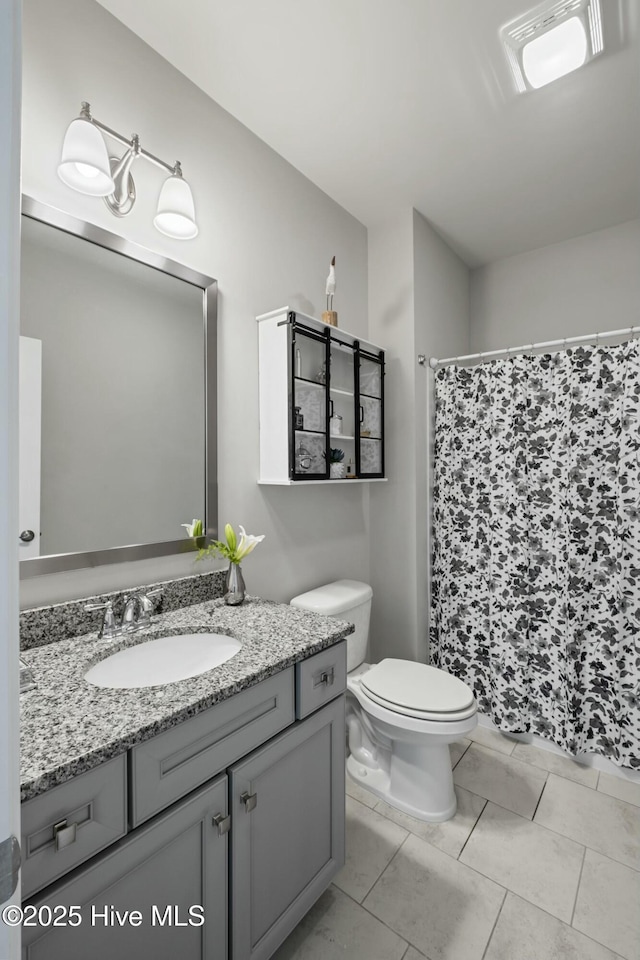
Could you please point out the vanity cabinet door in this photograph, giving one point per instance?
(287, 807)
(173, 871)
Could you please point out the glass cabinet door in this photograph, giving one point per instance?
(342, 422)
(370, 414)
(308, 435)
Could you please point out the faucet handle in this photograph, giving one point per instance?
(146, 606)
(109, 628)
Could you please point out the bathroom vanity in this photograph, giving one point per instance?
(201, 819)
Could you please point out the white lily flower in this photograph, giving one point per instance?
(247, 543)
(194, 529)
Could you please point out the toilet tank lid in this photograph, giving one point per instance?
(334, 598)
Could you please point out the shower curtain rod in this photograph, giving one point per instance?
(507, 351)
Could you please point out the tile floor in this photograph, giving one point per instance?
(540, 862)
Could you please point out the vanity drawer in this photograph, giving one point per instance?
(90, 812)
(320, 678)
(172, 764)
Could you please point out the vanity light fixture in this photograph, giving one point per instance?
(551, 41)
(86, 166)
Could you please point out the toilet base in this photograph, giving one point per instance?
(378, 782)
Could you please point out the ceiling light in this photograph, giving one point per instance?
(552, 40)
(86, 166)
(554, 53)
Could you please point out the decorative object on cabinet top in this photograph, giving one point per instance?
(234, 551)
(68, 726)
(318, 384)
(329, 315)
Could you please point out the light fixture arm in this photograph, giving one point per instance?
(85, 113)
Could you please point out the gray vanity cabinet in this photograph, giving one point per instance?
(254, 847)
(287, 841)
(177, 862)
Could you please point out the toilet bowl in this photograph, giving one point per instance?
(401, 715)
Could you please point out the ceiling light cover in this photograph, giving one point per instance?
(555, 53)
(552, 40)
(176, 216)
(84, 165)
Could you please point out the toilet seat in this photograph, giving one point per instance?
(417, 690)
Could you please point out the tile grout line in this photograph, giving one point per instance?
(531, 819)
(559, 756)
(544, 787)
(493, 928)
(575, 899)
(384, 869)
(376, 917)
(473, 827)
(454, 765)
(373, 916)
(546, 770)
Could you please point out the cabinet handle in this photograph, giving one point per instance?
(326, 678)
(330, 408)
(64, 834)
(361, 414)
(222, 823)
(250, 801)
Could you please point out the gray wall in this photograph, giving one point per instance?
(122, 393)
(418, 297)
(441, 305)
(584, 285)
(267, 235)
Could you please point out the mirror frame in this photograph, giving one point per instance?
(56, 563)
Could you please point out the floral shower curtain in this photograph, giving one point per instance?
(536, 565)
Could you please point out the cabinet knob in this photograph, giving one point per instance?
(222, 823)
(27, 536)
(250, 801)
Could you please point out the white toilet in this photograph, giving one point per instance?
(401, 715)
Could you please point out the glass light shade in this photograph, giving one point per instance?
(555, 53)
(85, 162)
(176, 216)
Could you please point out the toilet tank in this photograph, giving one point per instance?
(348, 600)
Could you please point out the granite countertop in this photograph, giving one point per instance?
(69, 726)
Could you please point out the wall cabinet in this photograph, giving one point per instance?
(320, 389)
(250, 850)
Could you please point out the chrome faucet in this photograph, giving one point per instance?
(135, 616)
(137, 611)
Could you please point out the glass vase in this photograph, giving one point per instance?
(234, 585)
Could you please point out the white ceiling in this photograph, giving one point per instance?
(392, 104)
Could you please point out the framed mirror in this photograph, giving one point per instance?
(117, 397)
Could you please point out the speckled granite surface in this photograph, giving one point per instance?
(70, 619)
(69, 726)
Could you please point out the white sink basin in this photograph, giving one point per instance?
(164, 660)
